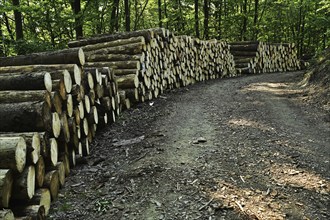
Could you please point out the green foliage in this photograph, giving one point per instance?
(50, 24)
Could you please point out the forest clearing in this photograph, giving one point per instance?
(220, 113)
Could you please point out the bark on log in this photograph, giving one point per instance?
(14, 96)
(6, 184)
(147, 34)
(135, 48)
(32, 140)
(12, 153)
(30, 116)
(24, 184)
(121, 72)
(114, 57)
(36, 212)
(66, 56)
(114, 43)
(26, 81)
(128, 81)
(116, 64)
(6, 214)
(244, 47)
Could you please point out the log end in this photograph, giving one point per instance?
(53, 152)
(81, 56)
(56, 124)
(20, 154)
(31, 182)
(67, 81)
(6, 185)
(48, 82)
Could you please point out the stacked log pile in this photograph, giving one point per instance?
(52, 103)
(148, 62)
(50, 108)
(259, 57)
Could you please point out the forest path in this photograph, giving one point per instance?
(237, 148)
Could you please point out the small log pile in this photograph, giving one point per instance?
(148, 62)
(50, 109)
(259, 57)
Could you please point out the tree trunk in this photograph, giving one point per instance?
(12, 153)
(245, 19)
(114, 16)
(18, 20)
(160, 13)
(206, 19)
(196, 19)
(255, 19)
(6, 184)
(127, 15)
(76, 7)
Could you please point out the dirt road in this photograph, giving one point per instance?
(241, 148)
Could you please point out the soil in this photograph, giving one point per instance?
(240, 148)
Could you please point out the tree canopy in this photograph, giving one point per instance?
(38, 25)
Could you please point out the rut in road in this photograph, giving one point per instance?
(225, 149)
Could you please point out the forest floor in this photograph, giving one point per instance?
(250, 147)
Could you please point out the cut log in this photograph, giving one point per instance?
(244, 47)
(40, 172)
(30, 116)
(65, 159)
(114, 57)
(52, 149)
(116, 64)
(12, 153)
(6, 214)
(113, 43)
(56, 102)
(24, 184)
(32, 140)
(65, 131)
(36, 212)
(68, 56)
(65, 76)
(147, 34)
(52, 183)
(128, 82)
(121, 72)
(60, 167)
(15, 96)
(42, 197)
(26, 81)
(135, 48)
(6, 184)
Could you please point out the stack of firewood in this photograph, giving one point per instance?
(260, 57)
(148, 62)
(50, 108)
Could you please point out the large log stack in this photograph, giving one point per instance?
(50, 109)
(148, 62)
(52, 103)
(259, 57)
